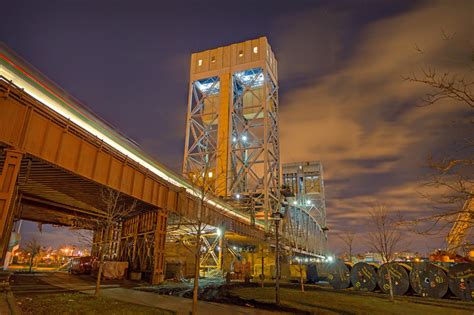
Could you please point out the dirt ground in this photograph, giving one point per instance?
(318, 299)
(343, 302)
(79, 303)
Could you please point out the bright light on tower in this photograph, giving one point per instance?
(219, 232)
(237, 196)
(244, 138)
(295, 202)
(308, 202)
(330, 258)
(209, 175)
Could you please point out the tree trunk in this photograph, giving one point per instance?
(31, 263)
(301, 278)
(99, 275)
(390, 284)
(101, 266)
(197, 264)
(263, 268)
(277, 263)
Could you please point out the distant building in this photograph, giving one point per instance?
(371, 257)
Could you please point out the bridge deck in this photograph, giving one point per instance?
(59, 148)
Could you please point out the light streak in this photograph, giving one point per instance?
(20, 77)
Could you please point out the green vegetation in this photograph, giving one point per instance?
(342, 302)
(80, 303)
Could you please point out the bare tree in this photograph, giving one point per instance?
(452, 175)
(116, 209)
(444, 86)
(190, 229)
(33, 248)
(386, 237)
(199, 227)
(348, 239)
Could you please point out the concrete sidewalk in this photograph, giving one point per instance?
(172, 303)
(177, 304)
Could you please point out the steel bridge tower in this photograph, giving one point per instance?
(232, 140)
(304, 181)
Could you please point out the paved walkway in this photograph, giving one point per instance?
(7, 300)
(177, 304)
(173, 303)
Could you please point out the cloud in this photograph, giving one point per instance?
(54, 236)
(362, 120)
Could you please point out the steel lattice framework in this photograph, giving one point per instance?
(232, 142)
(202, 127)
(254, 154)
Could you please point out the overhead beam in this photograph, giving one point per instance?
(8, 178)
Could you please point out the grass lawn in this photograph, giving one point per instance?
(333, 302)
(79, 303)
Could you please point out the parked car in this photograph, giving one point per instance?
(81, 265)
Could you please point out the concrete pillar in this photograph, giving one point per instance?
(159, 248)
(8, 178)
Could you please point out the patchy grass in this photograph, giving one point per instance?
(337, 302)
(80, 303)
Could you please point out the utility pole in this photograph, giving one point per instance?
(263, 268)
(277, 216)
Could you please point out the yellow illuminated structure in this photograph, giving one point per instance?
(232, 126)
(462, 224)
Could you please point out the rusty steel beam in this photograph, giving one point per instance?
(8, 178)
(42, 133)
(56, 147)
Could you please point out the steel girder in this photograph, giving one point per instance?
(253, 164)
(301, 230)
(254, 149)
(201, 144)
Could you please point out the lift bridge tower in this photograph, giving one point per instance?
(232, 141)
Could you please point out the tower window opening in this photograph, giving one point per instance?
(200, 62)
(241, 53)
(213, 59)
(255, 50)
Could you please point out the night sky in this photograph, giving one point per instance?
(342, 97)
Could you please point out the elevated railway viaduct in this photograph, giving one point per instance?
(56, 157)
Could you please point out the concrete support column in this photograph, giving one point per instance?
(159, 247)
(8, 178)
